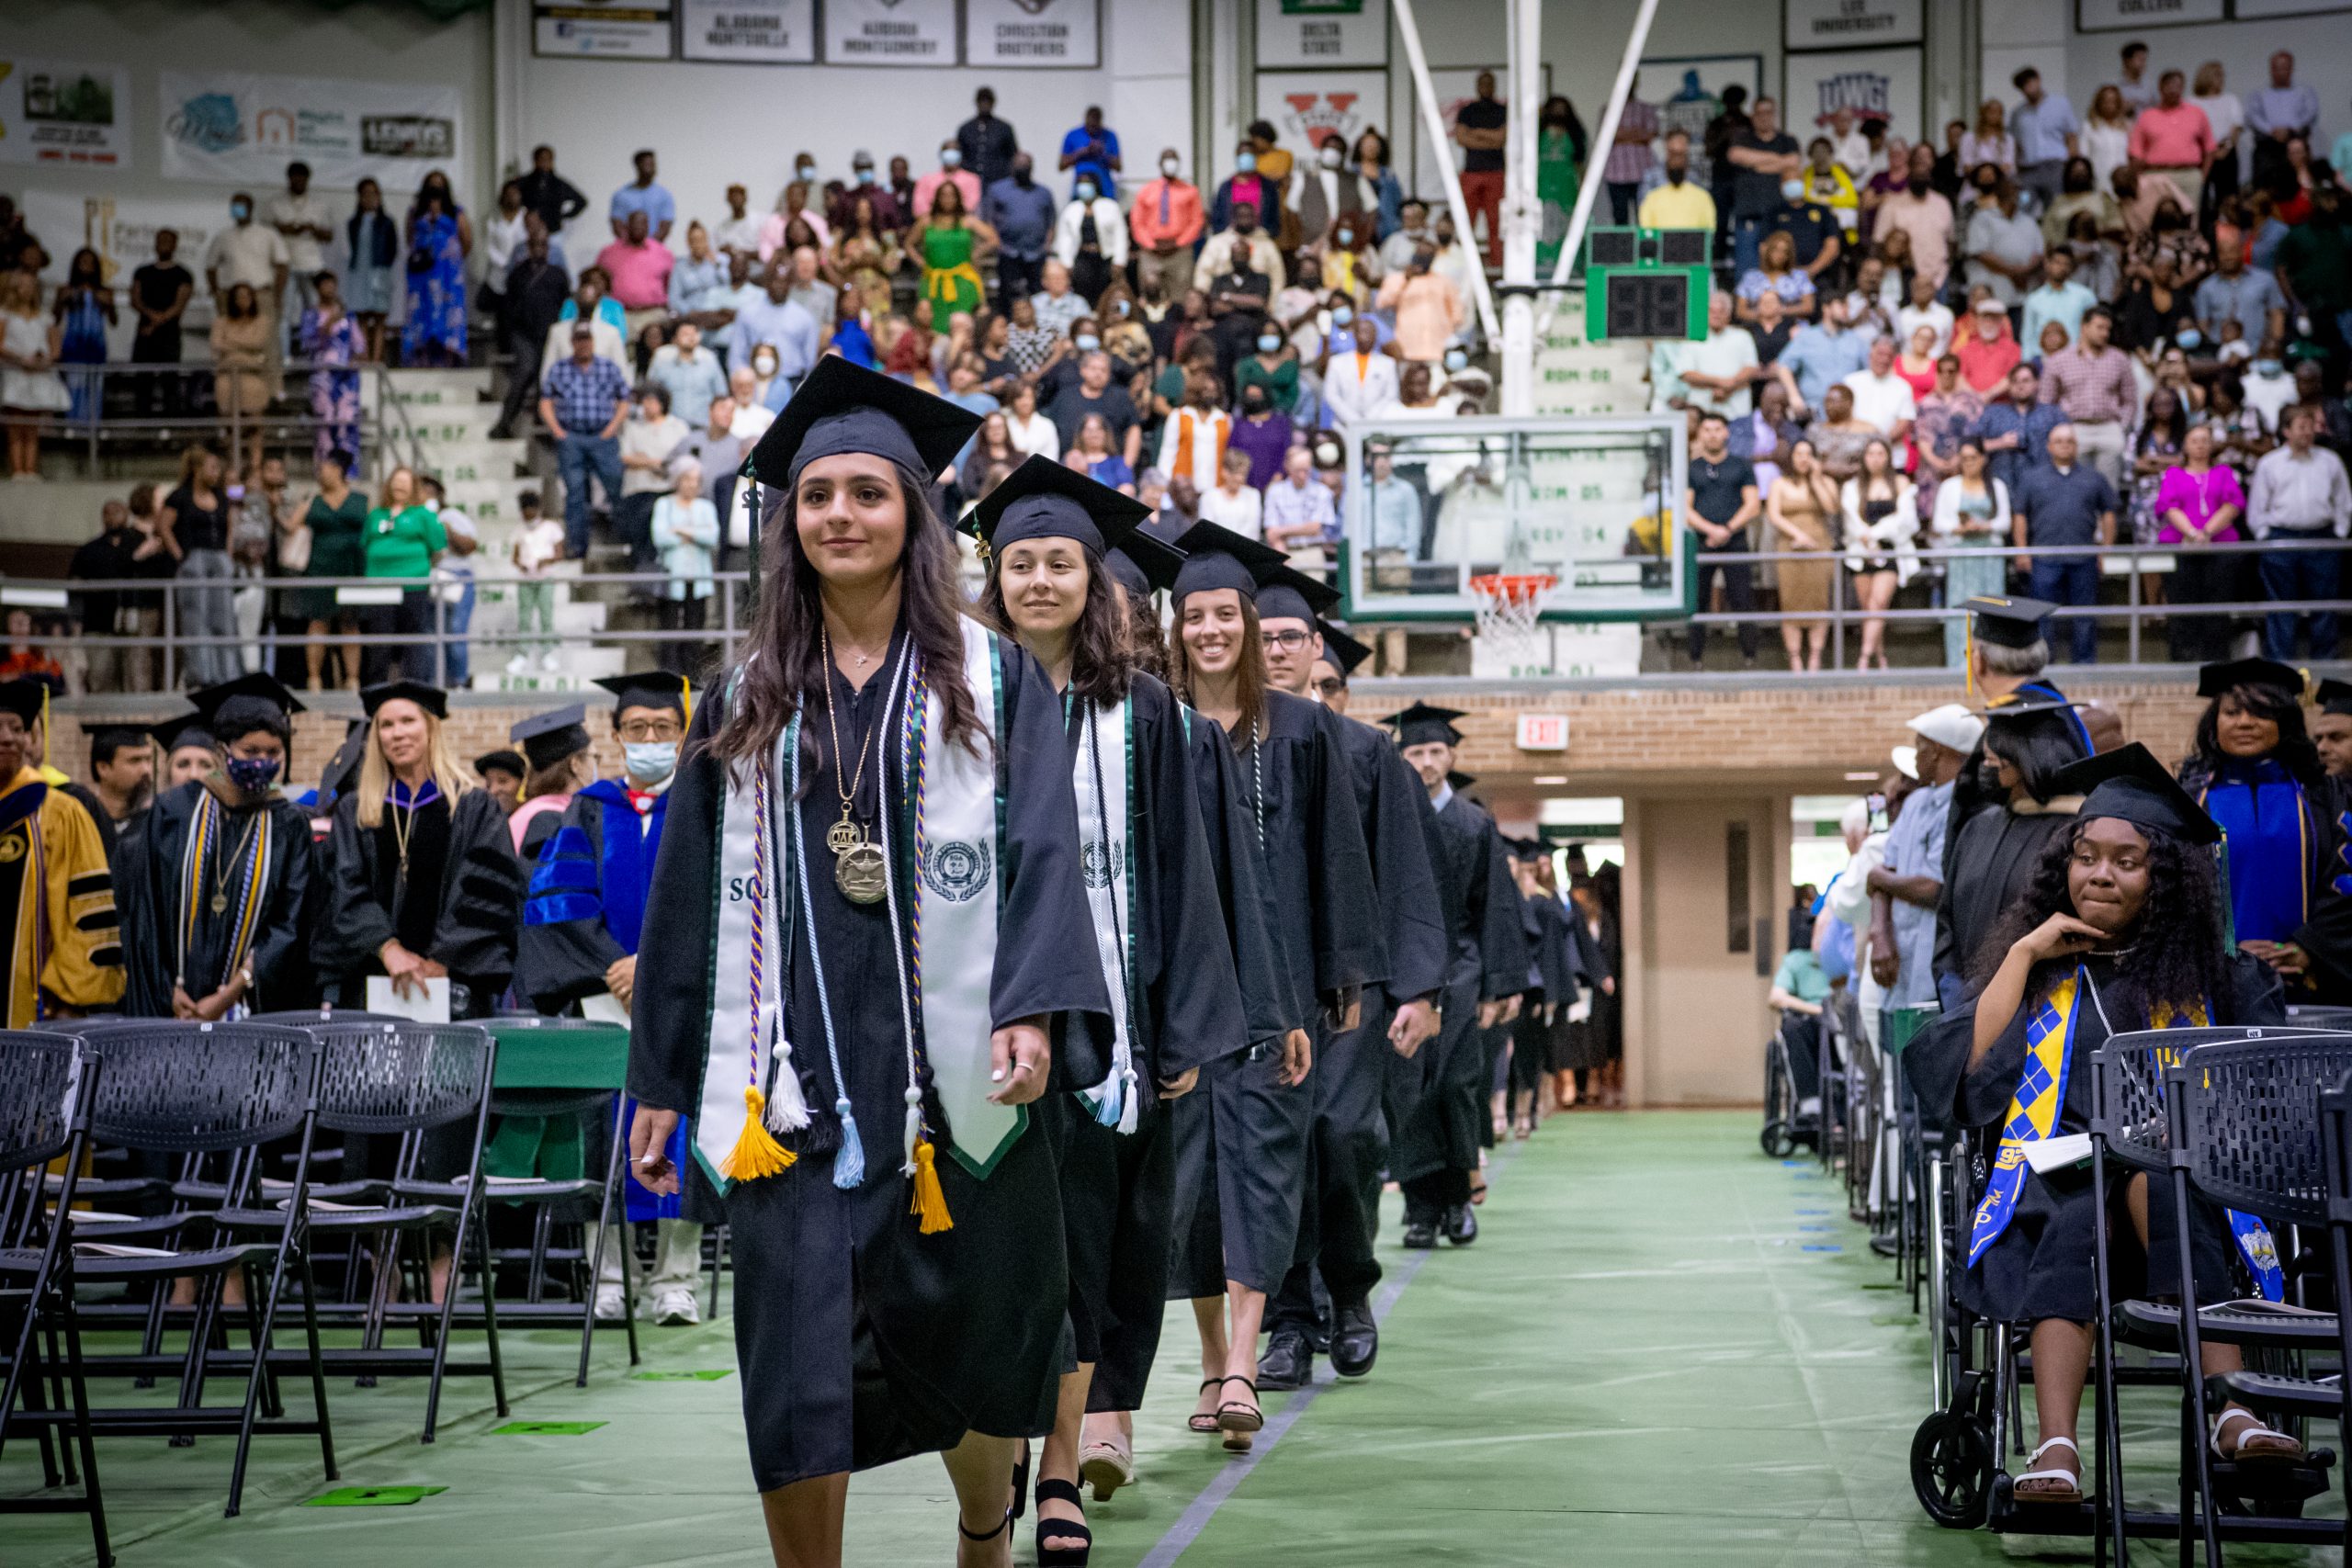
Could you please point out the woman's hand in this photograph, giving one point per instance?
(2060, 936)
(1415, 1022)
(1179, 1086)
(648, 1136)
(1019, 1057)
(408, 971)
(182, 1005)
(1299, 1057)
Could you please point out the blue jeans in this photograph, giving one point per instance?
(575, 456)
(1746, 238)
(2299, 574)
(2071, 580)
(456, 620)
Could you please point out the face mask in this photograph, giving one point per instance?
(1253, 401)
(1792, 190)
(1455, 359)
(1086, 191)
(1168, 166)
(950, 158)
(865, 176)
(2190, 337)
(252, 775)
(2267, 368)
(1122, 306)
(240, 211)
(1342, 315)
(1331, 157)
(806, 170)
(1268, 342)
(764, 364)
(650, 762)
(1246, 161)
(1917, 188)
(1087, 342)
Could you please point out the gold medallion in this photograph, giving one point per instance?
(843, 836)
(862, 874)
(220, 903)
(12, 847)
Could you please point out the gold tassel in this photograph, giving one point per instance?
(931, 1203)
(756, 1153)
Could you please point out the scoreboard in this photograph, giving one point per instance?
(1647, 283)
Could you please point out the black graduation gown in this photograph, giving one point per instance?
(1990, 862)
(476, 912)
(153, 903)
(1118, 1189)
(2042, 1264)
(861, 1340)
(1584, 1046)
(2326, 938)
(1554, 969)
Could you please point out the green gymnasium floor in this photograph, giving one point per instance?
(1664, 1349)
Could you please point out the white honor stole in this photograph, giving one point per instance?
(1102, 774)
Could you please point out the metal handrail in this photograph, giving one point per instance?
(375, 423)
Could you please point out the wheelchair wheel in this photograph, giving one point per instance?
(1778, 1140)
(1951, 1469)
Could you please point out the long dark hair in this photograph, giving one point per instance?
(2294, 751)
(2038, 746)
(782, 665)
(1250, 671)
(1099, 668)
(2176, 953)
(1146, 639)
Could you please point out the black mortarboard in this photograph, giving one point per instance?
(648, 689)
(1152, 562)
(504, 762)
(23, 698)
(2213, 680)
(262, 685)
(1286, 593)
(2336, 696)
(1422, 725)
(2008, 623)
(431, 699)
(1043, 500)
(1219, 558)
(2130, 784)
(181, 730)
(1344, 652)
(1530, 849)
(1458, 782)
(844, 408)
(548, 739)
(343, 766)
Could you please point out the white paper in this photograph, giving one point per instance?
(603, 1008)
(2061, 1153)
(1580, 1011)
(432, 1007)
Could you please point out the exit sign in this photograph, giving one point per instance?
(1647, 283)
(1542, 732)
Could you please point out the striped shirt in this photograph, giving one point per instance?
(1628, 161)
(2093, 388)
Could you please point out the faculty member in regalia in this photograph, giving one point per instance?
(867, 948)
(57, 908)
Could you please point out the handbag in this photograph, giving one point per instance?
(294, 550)
(420, 258)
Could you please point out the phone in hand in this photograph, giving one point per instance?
(235, 493)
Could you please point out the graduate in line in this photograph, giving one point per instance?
(186, 749)
(559, 758)
(2332, 727)
(1161, 936)
(1437, 1114)
(1321, 916)
(1348, 1145)
(2027, 744)
(1554, 977)
(218, 897)
(57, 908)
(868, 950)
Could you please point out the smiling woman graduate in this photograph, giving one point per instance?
(867, 946)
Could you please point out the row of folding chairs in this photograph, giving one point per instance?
(212, 1109)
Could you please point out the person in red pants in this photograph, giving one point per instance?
(1478, 130)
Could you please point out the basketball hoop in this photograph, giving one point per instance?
(1510, 611)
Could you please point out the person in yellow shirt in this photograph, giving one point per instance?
(1828, 184)
(1677, 202)
(56, 897)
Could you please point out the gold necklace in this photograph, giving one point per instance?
(226, 869)
(859, 869)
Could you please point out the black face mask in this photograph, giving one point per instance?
(1022, 174)
(1916, 186)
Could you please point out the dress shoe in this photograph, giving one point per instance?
(1461, 1226)
(1355, 1339)
(1287, 1363)
(1421, 1234)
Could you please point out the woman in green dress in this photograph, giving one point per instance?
(1559, 170)
(337, 519)
(950, 240)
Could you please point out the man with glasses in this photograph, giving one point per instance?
(581, 925)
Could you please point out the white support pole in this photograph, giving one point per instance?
(1598, 161)
(1434, 121)
(1523, 218)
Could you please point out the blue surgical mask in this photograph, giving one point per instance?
(806, 170)
(1268, 342)
(252, 776)
(1456, 359)
(1342, 315)
(650, 762)
(1086, 190)
(1246, 161)
(2267, 368)
(1088, 343)
(240, 211)
(2190, 338)
(950, 159)
(865, 176)
(1792, 190)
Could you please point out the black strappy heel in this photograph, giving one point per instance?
(1240, 1423)
(1020, 1485)
(1002, 1525)
(1050, 1490)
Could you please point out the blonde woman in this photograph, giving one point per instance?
(1882, 518)
(30, 388)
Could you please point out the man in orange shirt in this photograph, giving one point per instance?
(1167, 221)
(2173, 138)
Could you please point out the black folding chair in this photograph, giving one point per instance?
(46, 1084)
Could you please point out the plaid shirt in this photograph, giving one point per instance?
(2094, 388)
(1628, 161)
(584, 395)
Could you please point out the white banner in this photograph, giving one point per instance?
(1846, 24)
(1305, 106)
(1873, 83)
(769, 31)
(2247, 10)
(244, 129)
(2119, 15)
(607, 29)
(890, 32)
(52, 112)
(1322, 32)
(1032, 32)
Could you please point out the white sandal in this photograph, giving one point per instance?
(2073, 1482)
(2270, 1454)
(1105, 1467)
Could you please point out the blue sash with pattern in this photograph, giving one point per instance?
(2033, 1108)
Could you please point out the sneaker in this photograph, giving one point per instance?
(609, 1305)
(674, 1309)
(551, 663)
(519, 664)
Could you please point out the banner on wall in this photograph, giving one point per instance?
(56, 112)
(607, 29)
(1017, 33)
(1687, 93)
(890, 32)
(240, 129)
(770, 32)
(1882, 83)
(2121, 15)
(1850, 23)
(122, 230)
(1305, 106)
(1322, 32)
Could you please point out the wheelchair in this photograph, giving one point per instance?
(2220, 1115)
(1804, 1087)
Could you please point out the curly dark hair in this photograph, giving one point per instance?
(1099, 667)
(2294, 751)
(2175, 953)
(1146, 638)
(781, 666)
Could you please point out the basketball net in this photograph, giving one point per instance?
(1512, 639)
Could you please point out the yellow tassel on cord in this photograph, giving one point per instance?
(756, 1153)
(931, 1203)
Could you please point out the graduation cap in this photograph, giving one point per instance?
(1422, 725)
(343, 766)
(2216, 679)
(1043, 500)
(2336, 696)
(502, 762)
(181, 730)
(431, 699)
(1142, 563)
(2130, 784)
(261, 685)
(548, 739)
(844, 408)
(1285, 592)
(2028, 706)
(653, 689)
(2008, 623)
(1343, 652)
(1530, 849)
(1218, 557)
(1459, 782)
(24, 698)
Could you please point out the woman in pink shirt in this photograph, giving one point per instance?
(2199, 502)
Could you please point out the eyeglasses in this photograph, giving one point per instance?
(642, 730)
(1289, 642)
(1330, 686)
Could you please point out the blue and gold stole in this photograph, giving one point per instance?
(2033, 1108)
(2253, 1236)
(208, 843)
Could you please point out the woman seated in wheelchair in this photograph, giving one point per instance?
(2120, 929)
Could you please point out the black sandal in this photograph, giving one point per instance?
(1050, 1490)
(1020, 1485)
(1239, 1422)
(1204, 1421)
